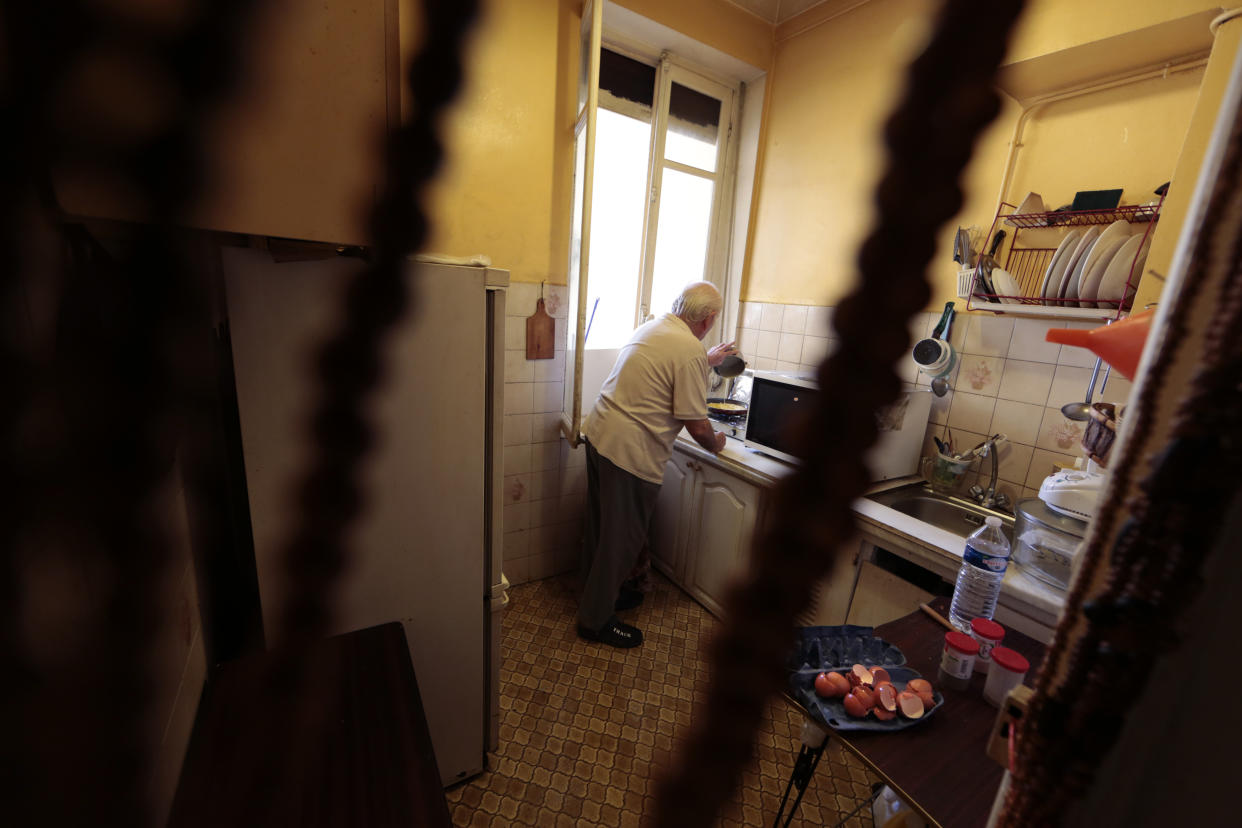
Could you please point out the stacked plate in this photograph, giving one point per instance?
(1090, 268)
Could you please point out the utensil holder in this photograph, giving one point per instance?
(965, 280)
(945, 473)
(1101, 431)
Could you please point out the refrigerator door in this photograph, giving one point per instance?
(419, 551)
(495, 596)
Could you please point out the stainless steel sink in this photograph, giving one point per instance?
(953, 514)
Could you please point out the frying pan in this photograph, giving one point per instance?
(714, 406)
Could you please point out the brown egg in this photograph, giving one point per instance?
(879, 675)
(910, 704)
(882, 714)
(923, 689)
(860, 675)
(865, 695)
(918, 685)
(854, 706)
(886, 698)
(840, 684)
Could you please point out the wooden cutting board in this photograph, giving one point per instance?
(540, 330)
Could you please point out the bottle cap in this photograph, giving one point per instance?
(962, 642)
(992, 520)
(1011, 660)
(987, 628)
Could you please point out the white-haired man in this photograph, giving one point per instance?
(657, 387)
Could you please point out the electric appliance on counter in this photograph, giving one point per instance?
(1074, 492)
(1046, 542)
(778, 398)
(426, 548)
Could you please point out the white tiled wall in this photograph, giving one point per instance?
(545, 481)
(1008, 379)
(776, 337)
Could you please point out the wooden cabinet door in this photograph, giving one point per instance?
(726, 509)
(669, 528)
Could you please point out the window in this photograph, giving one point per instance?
(651, 194)
(656, 191)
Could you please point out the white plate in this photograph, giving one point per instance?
(1033, 203)
(1006, 285)
(1068, 288)
(1117, 230)
(1101, 257)
(1133, 251)
(1080, 251)
(1056, 268)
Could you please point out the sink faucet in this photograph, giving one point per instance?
(990, 498)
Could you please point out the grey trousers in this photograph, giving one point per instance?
(619, 507)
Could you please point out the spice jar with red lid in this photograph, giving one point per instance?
(957, 660)
(989, 634)
(1007, 672)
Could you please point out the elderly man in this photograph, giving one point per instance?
(657, 387)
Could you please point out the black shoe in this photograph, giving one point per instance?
(614, 634)
(628, 599)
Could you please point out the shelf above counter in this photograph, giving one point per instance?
(1135, 214)
(1168, 42)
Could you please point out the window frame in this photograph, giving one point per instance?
(718, 260)
(670, 70)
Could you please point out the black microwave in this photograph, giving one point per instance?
(778, 401)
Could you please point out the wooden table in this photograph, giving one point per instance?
(939, 767)
(360, 753)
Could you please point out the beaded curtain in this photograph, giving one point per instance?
(93, 424)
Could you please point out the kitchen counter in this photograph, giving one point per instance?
(1035, 604)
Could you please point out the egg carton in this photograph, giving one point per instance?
(841, 647)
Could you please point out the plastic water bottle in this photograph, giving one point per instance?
(979, 581)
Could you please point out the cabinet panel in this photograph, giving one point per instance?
(726, 510)
(668, 524)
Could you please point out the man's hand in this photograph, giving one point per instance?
(705, 435)
(717, 353)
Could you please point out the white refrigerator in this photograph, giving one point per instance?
(427, 549)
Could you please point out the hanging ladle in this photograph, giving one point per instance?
(1082, 410)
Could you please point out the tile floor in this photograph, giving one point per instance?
(587, 729)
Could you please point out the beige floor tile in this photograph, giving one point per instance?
(586, 729)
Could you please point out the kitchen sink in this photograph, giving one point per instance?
(953, 514)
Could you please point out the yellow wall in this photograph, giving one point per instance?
(1128, 137)
(832, 85)
(828, 91)
(721, 25)
(505, 189)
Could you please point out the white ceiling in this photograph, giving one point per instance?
(776, 11)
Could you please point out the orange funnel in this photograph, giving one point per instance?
(1119, 344)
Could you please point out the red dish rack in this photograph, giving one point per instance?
(1028, 264)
